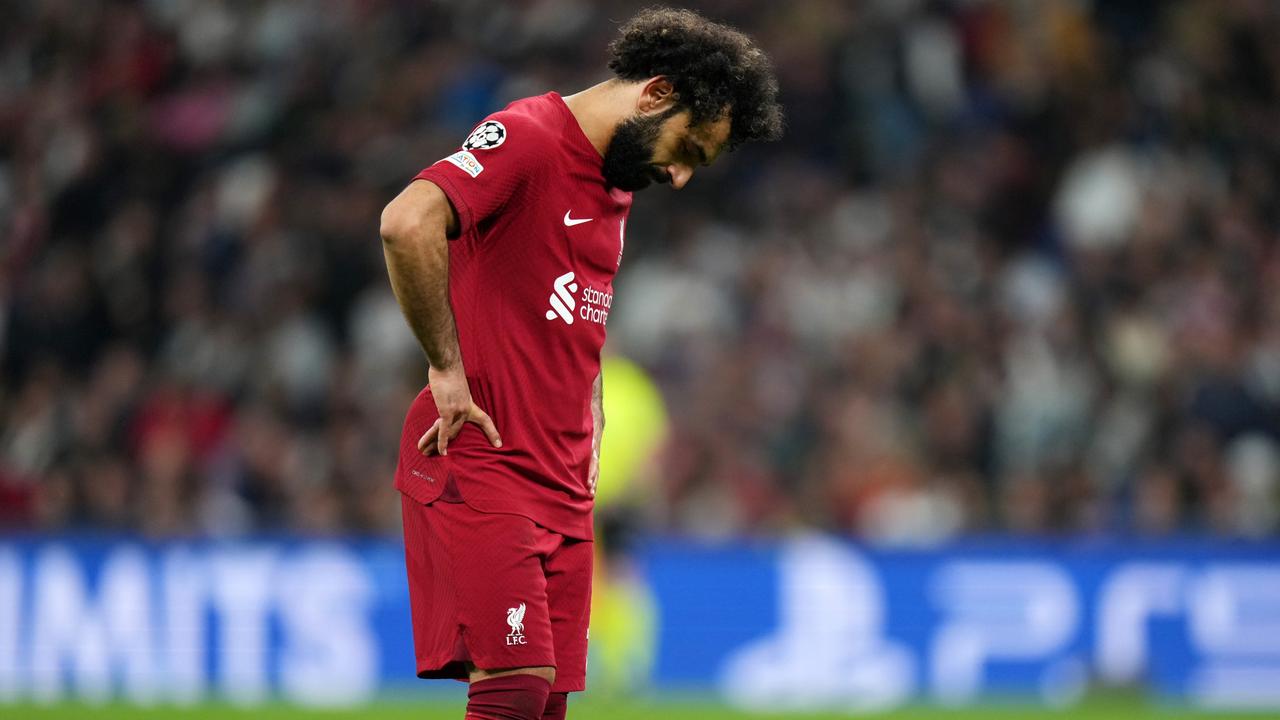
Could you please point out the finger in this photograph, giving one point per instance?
(426, 444)
(485, 422)
(446, 432)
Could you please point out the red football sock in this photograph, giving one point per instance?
(557, 704)
(510, 697)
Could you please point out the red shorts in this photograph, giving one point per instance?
(495, 590)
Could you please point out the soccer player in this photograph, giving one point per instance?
(502, 257)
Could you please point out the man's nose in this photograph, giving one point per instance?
(680, 175)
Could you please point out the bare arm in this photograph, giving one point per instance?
(597, 423)
(415, 229)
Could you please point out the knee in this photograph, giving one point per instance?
(546, 673)
(518, 694)
(557, 706)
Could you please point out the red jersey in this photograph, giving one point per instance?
(531, 283)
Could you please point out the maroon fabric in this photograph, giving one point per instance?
(531, 284)
(557, 706)
(495, 590)
(17, 499)
(510, 697)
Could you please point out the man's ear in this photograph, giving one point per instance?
(657, 96)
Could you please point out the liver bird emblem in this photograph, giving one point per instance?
(515, 618)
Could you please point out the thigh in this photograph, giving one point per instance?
(500, 588)
(433, 602)
(568, 575)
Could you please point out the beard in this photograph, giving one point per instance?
(628, 160)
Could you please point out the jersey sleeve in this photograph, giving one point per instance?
(498, 160)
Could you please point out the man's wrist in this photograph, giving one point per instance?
(447, 366)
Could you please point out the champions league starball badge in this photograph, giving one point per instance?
(489, 135)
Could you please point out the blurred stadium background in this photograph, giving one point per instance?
(966, 394)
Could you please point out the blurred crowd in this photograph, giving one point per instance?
(1014, 267)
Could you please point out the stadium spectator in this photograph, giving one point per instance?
(1012, 269)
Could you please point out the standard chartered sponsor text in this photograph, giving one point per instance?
(595, 305)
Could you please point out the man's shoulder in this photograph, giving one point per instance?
(536, 118)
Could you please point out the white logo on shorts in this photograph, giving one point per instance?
(515, 618)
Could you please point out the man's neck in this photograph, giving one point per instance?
(600, 108)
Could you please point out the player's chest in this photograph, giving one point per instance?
(578, 257)
(587, 232)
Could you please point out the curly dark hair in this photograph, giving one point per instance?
(715, 69)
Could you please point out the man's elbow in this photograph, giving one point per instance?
(398, 223)
(420, 211)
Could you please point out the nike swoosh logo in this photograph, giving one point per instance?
(570, 222)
